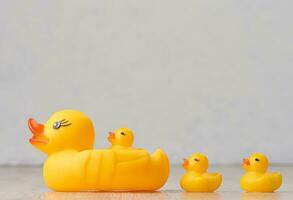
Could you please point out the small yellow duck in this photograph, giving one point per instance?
(73, 165)
(197, 179)
(257, 179)
(121, 138)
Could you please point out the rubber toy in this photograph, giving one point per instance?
(256, 178)
(196, 178)
(121, 138)
(73, 165)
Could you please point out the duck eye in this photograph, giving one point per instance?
(57, 125)
(122, 133)
(257, 159)
(196, 160)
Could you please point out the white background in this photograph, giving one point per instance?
(187, 76)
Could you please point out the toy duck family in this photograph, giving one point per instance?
(73, 165)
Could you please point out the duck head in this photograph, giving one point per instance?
(121, 137)
(197, 162)
(66, 129)
(256, 162)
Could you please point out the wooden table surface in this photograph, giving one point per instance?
(27, 183)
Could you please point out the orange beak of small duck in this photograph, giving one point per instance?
(111, 136)
(37, 130)
(245, 162)
(185, 163)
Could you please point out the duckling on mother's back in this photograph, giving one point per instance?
(121, 138)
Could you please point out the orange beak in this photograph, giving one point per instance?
(111, 136)
(185, 163)
(35, 127)
(245, 162)
(37, 131)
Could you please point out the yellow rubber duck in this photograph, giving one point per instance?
(256, 178)
(121, 138)
(73, 165)
(197, 179)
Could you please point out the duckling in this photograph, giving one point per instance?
(256, 178)
(121, 138)
(197, 179)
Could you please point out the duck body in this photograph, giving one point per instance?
(257, 178)
(74, 165)
(197, 178)
(106, 170)
(261, 182)
(206, 182)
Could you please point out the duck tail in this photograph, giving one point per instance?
(217, 180)
(160, 168)
(277, 180)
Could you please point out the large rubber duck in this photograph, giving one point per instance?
(73, 165)
(196, 178)
(121, 138)
(256, 178)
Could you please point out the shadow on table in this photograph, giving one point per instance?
(103, 195)
(161, 195)
(200, 196)
(260, 196)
